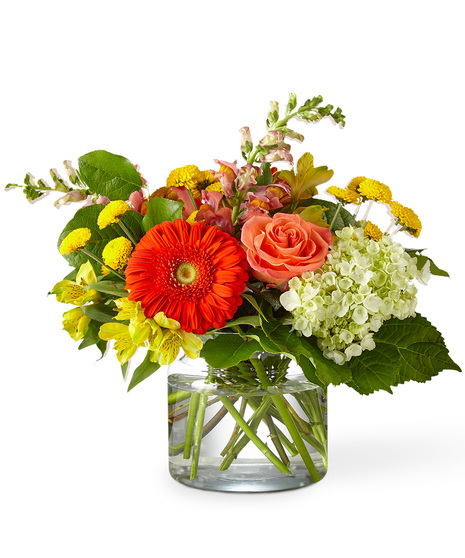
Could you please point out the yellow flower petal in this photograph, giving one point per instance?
(74, 240)
(117, 252)
(111, 213)
(75, 322)
(165, 322)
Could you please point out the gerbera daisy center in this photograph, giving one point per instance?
(186, 273)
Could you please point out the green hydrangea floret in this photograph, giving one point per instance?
(362, 284)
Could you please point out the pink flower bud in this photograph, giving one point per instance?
(277, 155)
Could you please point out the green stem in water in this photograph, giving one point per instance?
(253, 437)
(190, 426)
(276, 440)
(253, 424)
(198, 434)
(292, 429)
(236, 431)
(178, 396)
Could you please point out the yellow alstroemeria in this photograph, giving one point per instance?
(75, 292)
(166, 349)
(75, 322)
(140, 332)
(303, 184)
(124, 344)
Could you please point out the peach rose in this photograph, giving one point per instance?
(284, 246)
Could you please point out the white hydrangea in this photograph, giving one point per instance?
(361, 284)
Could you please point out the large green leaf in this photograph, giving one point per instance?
(375, 370)
(410, 349)
(109, 175)
(143, 371)
(228, 350)
(159, 210)
(87, 217)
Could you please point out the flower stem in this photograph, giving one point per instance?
(253, 437)
(194, 403)
(369, 206)
(101, 262)
(198, 434)
(236, 430)
(336, 215)
(292, 429)
(127, 232)
(239, 445)
(276, 440)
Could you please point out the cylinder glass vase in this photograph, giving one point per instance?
(256, 427)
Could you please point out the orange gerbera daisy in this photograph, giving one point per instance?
(195, 274)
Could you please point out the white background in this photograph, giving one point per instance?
(83, 464)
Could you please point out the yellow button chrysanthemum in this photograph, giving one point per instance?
(189, 176)
(111, 213)
(344, 195)
(214, 187)
(407, 217)
(74, 240)
(117, 252)
(355, 183)
(372, 231)
(374, 190)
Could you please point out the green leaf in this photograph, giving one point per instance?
(266, 177)
(124, 369)
(87, 217)
(228, 350)
(421, 261)
(375, 370)
(159, 210)
(327, 371)
(99, 312)
(143, 371)
(109, 175)
(243, 320)
(115, 288)
(260, 336)
(91, 337)
(344, 219)
(254, 303)
(410, 349)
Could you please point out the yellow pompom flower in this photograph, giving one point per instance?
(117, 252)
(406, 217)
(74, 240)
(355, 183)
(189, 176)
(214, 187)
(374, 190)
(111, 213)
(372, 231)
(344, 195)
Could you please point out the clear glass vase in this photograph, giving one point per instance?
(256, 427)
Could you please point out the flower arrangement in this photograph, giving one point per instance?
(237, 261)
